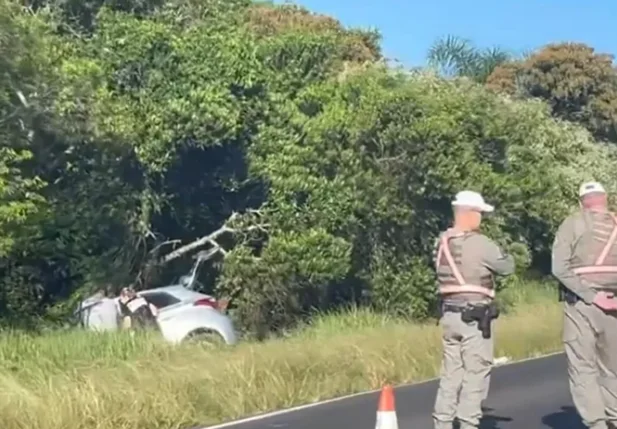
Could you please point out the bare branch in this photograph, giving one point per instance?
(22, 98)
(164, 243)
(204, 255)
(233, 225)
(148, 233)
(210, 238)
(217, 248)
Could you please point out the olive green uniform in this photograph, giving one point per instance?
(589, 334)
(467, 356)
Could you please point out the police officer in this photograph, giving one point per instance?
(137, 313)
(585, 263)
(99, 312)
(466, 262)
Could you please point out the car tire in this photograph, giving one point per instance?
(205, 337)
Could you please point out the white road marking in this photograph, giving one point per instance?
(501, 361)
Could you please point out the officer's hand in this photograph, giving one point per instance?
(606, 301)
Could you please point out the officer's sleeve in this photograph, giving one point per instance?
(495, 259)
(561, 261)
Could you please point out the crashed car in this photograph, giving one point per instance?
(183, 313)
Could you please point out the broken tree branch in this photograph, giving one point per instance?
(195, 244)
(204, 255)
(164, 243)
(217, 248)
(22, 98)
(212, 238)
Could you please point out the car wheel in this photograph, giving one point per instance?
(206, 338)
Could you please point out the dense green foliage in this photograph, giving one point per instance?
(453, 56)
(578, 83)
(126, 125)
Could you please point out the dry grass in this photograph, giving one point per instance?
(75, 380)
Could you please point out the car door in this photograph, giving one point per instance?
(171, 307)
(163, 301)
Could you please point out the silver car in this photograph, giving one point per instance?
(183, 313)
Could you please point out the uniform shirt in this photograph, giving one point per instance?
(100, 314)
(480, 257)
(138, 309)
(576, 245)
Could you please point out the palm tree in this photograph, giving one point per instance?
(454, 56)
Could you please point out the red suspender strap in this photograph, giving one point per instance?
(463, 287)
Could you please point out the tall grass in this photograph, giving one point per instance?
(80, 380)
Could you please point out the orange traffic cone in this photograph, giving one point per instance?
(386, 413)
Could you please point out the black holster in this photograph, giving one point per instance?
(566, 295)
(484, 314)
(440, 309)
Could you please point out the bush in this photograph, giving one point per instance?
(378, 162)
(150, 126)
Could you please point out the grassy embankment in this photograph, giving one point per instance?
(74, 380)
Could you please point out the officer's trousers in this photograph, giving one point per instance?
(590, 340)
(465, 373)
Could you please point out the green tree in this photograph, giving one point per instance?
(21, 108)
(147, 125)
(52, 217)
(579, 84)
(79, 16)
(454, 56)
(369, 166)
(269, 135)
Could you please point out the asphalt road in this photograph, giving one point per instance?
(531, 395)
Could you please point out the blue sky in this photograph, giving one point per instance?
(410, 27)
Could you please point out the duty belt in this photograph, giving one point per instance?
(451, 308)
(482, 313)
(570, 297)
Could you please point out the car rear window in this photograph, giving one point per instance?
(160, 299)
